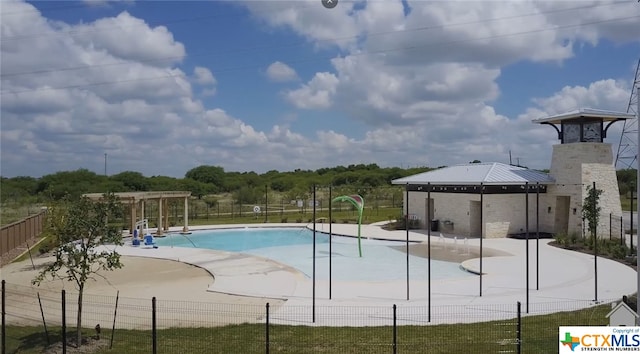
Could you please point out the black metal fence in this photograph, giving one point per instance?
(623, 230)
(34, 318)
(281, 207)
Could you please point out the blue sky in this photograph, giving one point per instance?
(165, 86)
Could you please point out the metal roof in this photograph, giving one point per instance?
(493, 173)
(586, 113)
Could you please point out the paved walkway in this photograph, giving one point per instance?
(560, 277)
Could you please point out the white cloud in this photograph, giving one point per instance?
(425, 98)
(112, 100)
(604, 94)
(208, 92)
(130, 38)
(318, 93)
(281, 72)
(379, 94)
(495, 33)
(203, 76)
(323, 28)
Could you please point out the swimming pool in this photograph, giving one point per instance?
(294, 247)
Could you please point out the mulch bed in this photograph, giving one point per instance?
(16, 252)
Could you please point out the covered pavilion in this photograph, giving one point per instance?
(137, 200)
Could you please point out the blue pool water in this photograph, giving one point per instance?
(294, 247)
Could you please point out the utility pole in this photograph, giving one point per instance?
(105, 163)
(628, 145)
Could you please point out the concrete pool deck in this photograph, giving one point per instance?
(566, 281)
(563, 276)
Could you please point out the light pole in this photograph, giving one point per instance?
(105, 163)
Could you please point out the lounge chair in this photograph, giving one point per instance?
(148, 241)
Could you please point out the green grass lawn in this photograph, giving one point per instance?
(539, 335)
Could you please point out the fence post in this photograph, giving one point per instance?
(395, 331)
(44, 322)
(154, 337)
(64, 322)
(4, 324)
(621, 231)
(267, 330)
(519, 330)
(113, 328)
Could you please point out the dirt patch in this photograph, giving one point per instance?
(89, 345)
(176, 285)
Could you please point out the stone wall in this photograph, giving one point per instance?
(502, 214)
(506, 214)
(451, 209)
(605, 178)
(576, 166)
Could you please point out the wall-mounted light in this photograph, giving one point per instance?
(549, 210)
(575, 211)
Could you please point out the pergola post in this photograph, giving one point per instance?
(186, 215)
(133, 206)
(166, 214)
(142, 203)
(159, 232)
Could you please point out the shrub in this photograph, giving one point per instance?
(562, 239)
(283, 220)
(573, 238)
(45, 246)
(619, 251)
(414, 224)
(589, 242)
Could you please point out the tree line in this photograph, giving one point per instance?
(200, 181)
(210, 180)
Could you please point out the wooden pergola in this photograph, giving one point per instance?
(138, 200)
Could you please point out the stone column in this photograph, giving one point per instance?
(186, 215)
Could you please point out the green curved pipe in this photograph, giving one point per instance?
(358, 202)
